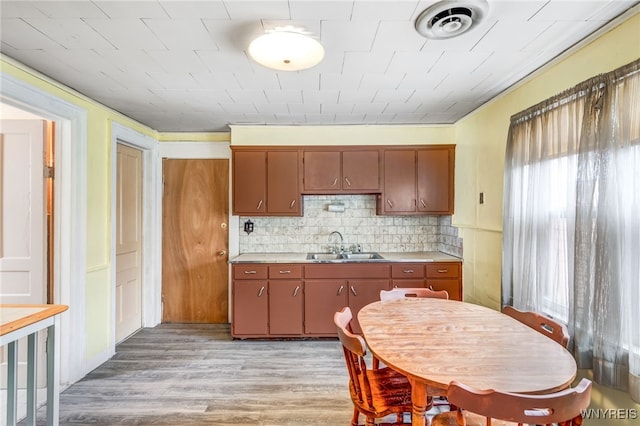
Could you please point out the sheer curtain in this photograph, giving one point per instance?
(571, 225)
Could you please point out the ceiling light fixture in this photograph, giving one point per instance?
(450, 18)
(286, 49)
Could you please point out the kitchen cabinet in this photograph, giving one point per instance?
(250, 303)
(407, 275)
(418, 181)
(285, 300)
(330, 287)
(352, 171)
(267, 307)
(266, 183)
(445, 276)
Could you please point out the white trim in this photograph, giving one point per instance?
(151, 225)
(70, 220)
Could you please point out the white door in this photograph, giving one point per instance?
(129, 241)
(22, 224)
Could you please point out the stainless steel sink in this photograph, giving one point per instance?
(324, 256)
(362, 256)
(343, 256)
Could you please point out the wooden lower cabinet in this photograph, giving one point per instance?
(445, 276)
(299, 300)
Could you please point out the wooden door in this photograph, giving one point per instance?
(435, 181)
(361, 171)
(399, 182)
(283, 192)
(249, 182)
(128, 241)
(195, 215)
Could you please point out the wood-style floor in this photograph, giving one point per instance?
(177, 374)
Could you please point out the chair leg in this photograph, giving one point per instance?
(354, 419)
(371, 421)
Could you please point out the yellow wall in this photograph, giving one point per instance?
(98, 267)
(481, 142)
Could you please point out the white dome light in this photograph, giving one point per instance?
(286, 51)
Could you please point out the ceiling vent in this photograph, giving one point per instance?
(450, 18)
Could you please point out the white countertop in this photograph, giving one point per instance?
(423, 256)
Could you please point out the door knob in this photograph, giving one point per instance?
(222, 252)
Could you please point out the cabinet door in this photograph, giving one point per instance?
(283, 193)
(285, 307)
(452, 286)
(249, 182)
(322, 299)
(399, 195)
(435, 180)
(322, 171)
(361, 171)
(361, 293)
(398, 283)
(250, 308)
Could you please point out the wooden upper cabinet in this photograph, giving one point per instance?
(341, 171)
(435, 180)
(249, 182)
(418, 181)
(266, 183)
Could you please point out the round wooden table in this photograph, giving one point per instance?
(435, 341)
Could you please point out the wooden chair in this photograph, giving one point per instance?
(491, 408)
(541, 323)
(400, 293)
(375, 393)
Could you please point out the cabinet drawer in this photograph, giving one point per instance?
(285, 271)
(250, 272)
(443, 270)
(407, 270)
(343, 272)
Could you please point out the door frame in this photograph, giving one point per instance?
(151, 224)
(70, 217)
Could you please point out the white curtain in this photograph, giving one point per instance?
(571, 225)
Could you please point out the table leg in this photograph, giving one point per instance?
(12, 383)
(32, 380)
(419, 403)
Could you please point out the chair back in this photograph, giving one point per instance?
(540, 323)
(563, 406)
(355, 349)
(401, 293)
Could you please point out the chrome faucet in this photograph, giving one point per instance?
(341, 240)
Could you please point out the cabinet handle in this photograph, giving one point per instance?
(442, 271)
(259, 205)
(395, 286)
(261, 291)
(285, 272)
(347, 180)
(292, 204)
(390, 203)
(423, 203)
(250, 272)
(353, 290)
(340, 290)
(408, 271)
(295, 292)
(222, 252)
(431, 288)
(335, 181)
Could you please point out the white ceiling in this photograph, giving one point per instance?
(182, 65)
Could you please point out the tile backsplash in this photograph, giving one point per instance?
(358, 224)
